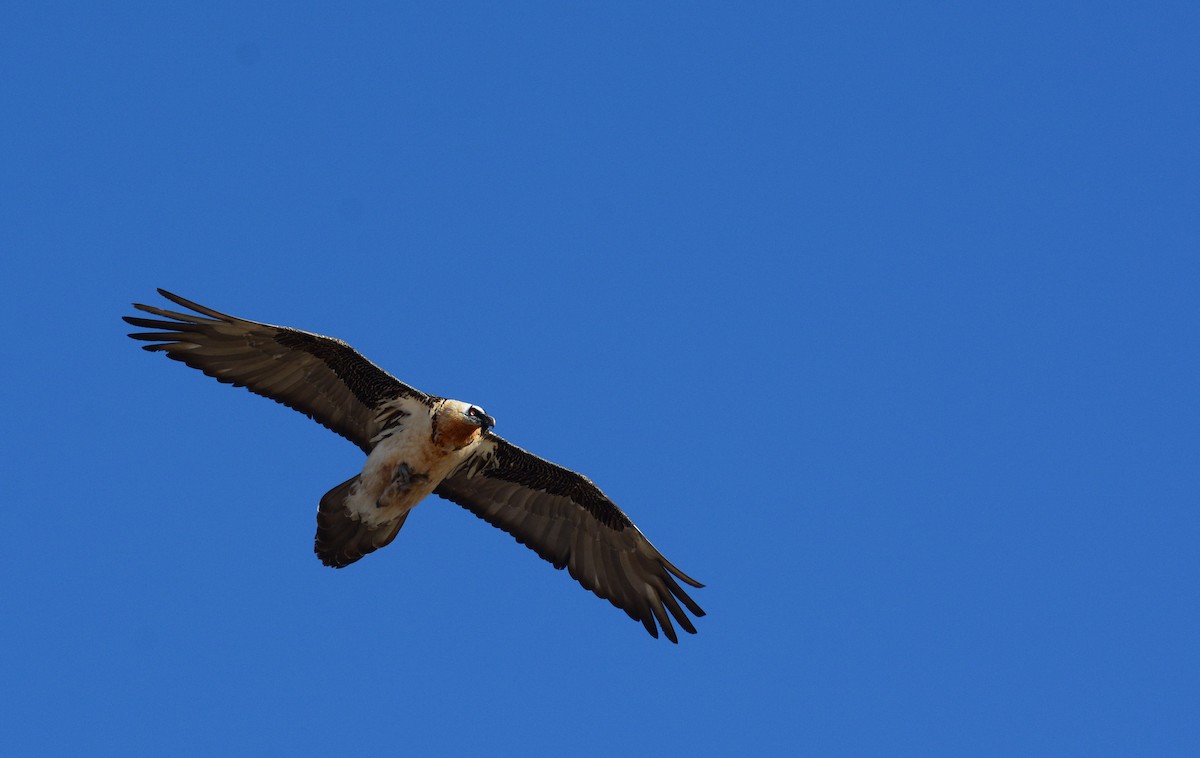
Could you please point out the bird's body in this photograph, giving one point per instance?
(417, 445)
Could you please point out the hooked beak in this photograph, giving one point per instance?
(487, 422)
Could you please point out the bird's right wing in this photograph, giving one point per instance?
(321, 377)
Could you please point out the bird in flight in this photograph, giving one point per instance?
(417, 444)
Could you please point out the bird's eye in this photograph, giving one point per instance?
(474, 412)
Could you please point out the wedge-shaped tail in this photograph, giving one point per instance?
(343, 539)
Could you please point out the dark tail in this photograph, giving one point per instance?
(343, 539)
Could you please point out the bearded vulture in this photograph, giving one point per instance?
(417, 444)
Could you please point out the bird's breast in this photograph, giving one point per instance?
(403, 468)
(454, 433)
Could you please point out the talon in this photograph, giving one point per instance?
(403, 480)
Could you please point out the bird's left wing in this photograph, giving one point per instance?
(323, 378)
(568, 521)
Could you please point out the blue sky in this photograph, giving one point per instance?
(879, 319)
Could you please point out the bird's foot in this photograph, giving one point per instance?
(403, 480)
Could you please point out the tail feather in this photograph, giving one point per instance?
(343, 539)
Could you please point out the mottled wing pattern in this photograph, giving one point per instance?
(568, 521)
(321, 377)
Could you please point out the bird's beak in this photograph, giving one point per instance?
(488, 422)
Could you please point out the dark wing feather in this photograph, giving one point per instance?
(567, 520)
(323, 378)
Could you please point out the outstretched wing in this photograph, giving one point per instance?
(323, 378)
(567, 520)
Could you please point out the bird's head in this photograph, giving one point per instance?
(457, 423)
(477, 415)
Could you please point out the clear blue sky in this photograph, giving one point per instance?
(880, 320)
